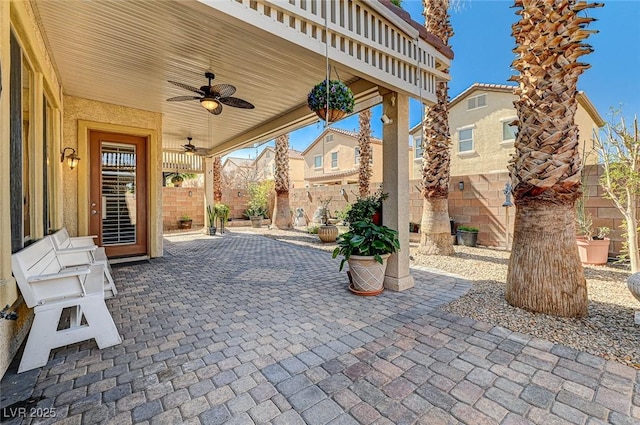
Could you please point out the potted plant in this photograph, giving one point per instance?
(467, 235)
(366, 247)
(185, 222)
(340, 102)
(212, 214)
(222, 211)
(327, 232)
(368, 208)
(256, 214)
(593, 249)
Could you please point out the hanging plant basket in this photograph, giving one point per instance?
(340, 102)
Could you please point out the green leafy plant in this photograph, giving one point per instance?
(258, 198)
(185, 218)
(343, 213)
(602, 233)
(212, 214)
(364, 208)
(313, 230)
(366, 239)
(468, 229)
(340, 96)
(222, 211)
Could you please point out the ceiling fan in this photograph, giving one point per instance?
(212, 97)
(190, 149)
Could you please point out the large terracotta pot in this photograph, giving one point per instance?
(595, 252)
(366, 274)
(328, 233)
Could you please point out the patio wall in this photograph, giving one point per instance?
(479, 204)
(180, 201)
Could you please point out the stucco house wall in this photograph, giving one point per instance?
(491, 152)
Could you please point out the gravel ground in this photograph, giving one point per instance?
(608, 331)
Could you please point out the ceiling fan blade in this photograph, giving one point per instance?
(187, 87)
(236, 102)
(218, 110)
(181, 98)
(222, 90)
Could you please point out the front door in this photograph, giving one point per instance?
(118, 193)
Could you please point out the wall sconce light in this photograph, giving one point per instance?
(309, 196)
(239, 194)
(344, 194)
(461, 185)
(72, 158)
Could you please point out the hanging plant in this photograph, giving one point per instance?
(341, 100)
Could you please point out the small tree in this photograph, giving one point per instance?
(618, 148)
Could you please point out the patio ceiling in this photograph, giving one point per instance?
(124, 52)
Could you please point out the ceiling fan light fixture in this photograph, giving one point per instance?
(209, 103)
(190, 153)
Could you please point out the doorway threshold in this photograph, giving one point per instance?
(128, 259)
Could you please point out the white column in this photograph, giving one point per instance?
(395, 177)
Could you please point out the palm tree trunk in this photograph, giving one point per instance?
(545, 274)
(364, 144)
(282, 209)
(217, 180)
(435, 228)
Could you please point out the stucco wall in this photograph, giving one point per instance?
(76, 109)
(490, 153)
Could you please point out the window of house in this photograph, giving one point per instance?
(317, 161)
(477, 101)
(356, 159)
(417, 147)
(328, 138)
(508, 131)
(334, 159)
(465, 140)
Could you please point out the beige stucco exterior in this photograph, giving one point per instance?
(344, 144)
(490, 153)
(265, 165)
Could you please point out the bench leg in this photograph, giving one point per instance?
(109, 285)
(104, 329)
(36, 352)
(44, 335)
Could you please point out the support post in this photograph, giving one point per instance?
(395, 177)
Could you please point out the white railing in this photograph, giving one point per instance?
(179, 162)
(363, 36)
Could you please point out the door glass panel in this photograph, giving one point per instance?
(118, 194)
(26, 152)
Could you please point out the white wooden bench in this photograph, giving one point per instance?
(67, 250)
(48, 287)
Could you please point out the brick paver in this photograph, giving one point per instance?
(242, 329)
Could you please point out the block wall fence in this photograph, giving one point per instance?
(479, 204)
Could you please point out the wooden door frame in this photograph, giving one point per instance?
(154, 200)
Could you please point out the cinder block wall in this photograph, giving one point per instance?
(479, 204)
(180, 201)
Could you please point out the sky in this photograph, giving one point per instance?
(483, 45)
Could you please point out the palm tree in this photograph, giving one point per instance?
(217, 180)
(364, 145)
(545, 274)
(435, 228)
(282, 210)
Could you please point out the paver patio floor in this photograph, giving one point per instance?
(242, 329)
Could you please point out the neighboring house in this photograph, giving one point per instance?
(334, 157)
(238, 171)
(482, 136)
(265, 165)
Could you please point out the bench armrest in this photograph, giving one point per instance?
(77, 249)
(60, 274)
